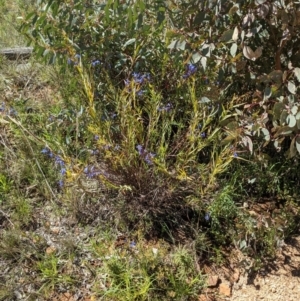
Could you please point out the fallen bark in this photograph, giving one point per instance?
(17, 53)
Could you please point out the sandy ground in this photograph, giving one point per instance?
(280, 281)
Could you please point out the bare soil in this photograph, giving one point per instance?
(279, 281)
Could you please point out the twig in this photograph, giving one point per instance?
(6, 216)
(36, 161)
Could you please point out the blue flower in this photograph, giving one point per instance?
(132, 244)
(61, 183)
(235, 155)
(63, 171)
(59, 161)
(113, 115)
(140, 149)
(140, 92)
(203, 135)
(167, 108)
(191, 69)
(12, 112)
(207, 216)
(47, 151)
(2, 108)
(72, 62)
(140, 78)
(90, 172)
(51, 118)
(94, 152)
(149, 157)
(95, 63)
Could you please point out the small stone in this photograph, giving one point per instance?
(236, 275)
(212, 281)
(50, 250)
(55, 230)
(225, 289)
(18, 295)
(204, 297)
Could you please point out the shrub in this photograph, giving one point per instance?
(173, 93)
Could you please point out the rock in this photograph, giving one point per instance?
(55, 230)
(225, 289)
(212, 281)
(205, 297)
(50, 250)
(236, 276)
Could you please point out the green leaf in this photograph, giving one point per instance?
(259, 2)
(267, 93)
(292, 150)
(129, 42)
(177, 44)
(298, 144)
(276, 76)
(195, 57)
(227, 36)
(233, 49)
(203, 62)
(294, 110)
(235, 34)
(243, 244)
(204, 99)
(199, 18)
(248, 143)
(283, 116)
(297, 73)
(291, 120)
(283, 131)
(266, 134)
(250, 54)
(292, 87)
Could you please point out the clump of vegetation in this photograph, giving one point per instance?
(150, 137)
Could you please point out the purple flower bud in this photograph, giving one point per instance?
(191, 69)
(45, 151)
(167, 108)
(95, 63)
(149, 157)
(207, 216)
(63, 171)
(140, 149)
(141, 92)
(59, 161)
(132, 244)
